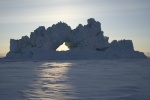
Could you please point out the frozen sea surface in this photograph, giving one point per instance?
(75, 80)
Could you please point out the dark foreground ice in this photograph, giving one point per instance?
(75, 80)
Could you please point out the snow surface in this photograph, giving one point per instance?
(126, 79)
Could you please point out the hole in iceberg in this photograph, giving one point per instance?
(62, 47)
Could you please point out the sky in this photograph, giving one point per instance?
(120, 19)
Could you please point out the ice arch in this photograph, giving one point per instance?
(85, 41)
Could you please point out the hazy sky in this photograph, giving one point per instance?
(120, 19)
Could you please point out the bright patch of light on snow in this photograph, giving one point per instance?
(60, 64)
(62, 47)
(49, 83)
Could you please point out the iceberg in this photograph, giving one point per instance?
(84, 42)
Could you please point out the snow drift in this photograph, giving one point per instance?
(84, 42)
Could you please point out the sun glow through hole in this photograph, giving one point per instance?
(62, 47)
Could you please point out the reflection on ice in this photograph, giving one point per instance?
(50, 82)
